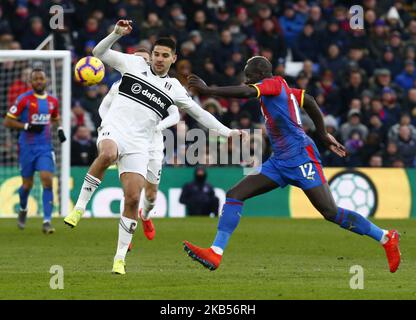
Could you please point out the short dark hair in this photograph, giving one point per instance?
(37, 69)
(261, 64)
(166, 42)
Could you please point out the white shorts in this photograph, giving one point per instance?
(133, 156)
(154, 167)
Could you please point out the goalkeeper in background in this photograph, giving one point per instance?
(33, 113)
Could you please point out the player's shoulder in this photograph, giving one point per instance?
(273, 80)
(24, 96)
(52, 98)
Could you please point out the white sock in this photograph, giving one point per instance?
(384, 238)
(126, 229)
(147, 207)
(88, 187)
(217, 250)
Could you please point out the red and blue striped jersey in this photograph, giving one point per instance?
(280, 106)
(35, 109)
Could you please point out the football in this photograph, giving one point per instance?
(89, 71)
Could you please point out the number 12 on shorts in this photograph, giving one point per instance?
(307, 171)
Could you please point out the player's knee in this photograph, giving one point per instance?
(131, 200)
(27, 186)
(234, 194)
(150, 195)
(106, 158)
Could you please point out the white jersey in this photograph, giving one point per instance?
(156, 145)
(142, 101)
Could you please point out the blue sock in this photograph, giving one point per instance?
(230, 217)
(355, 222)
(47, 204)
(23, 196)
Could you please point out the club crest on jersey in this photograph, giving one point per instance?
(168, 85)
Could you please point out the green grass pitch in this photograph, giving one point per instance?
(267, 258)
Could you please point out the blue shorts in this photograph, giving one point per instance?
(307, 175)
(33, 159)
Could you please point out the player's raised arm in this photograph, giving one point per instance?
(185, 102)
(172, 119)
(312, 109)
(243, 91)
(111, 57)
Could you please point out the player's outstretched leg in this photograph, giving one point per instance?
(24, 191)
(322, 200)
(107, 155)
(247, 188)
(132, 186)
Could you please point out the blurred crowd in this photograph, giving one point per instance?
(364, 80)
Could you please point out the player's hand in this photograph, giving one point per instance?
(34, 128)
(123, 27)
(333, 145)
(61, 135)
(197, 84)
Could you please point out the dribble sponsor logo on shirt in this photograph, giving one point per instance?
(152, 97)
(40, 118)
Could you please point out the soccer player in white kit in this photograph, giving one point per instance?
(145, 94)
(154, 168)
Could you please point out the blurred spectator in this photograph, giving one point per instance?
(353, 124)
(231, 117)
(391, 109)
(199, 196)
(390, 62)
(83, 148)
(35, 35)
(334, 35)
(405, 120)
(152, 26)
(315, 17)
(90, 102)
(306, 45)
(391, 153)
(268, 38)
(265, 13)
(224, 50)
(291, 24)
(19, 86)
(333, 60)
(406, 145)
(377, 39)
(376, 161)
(354, 146)
(352, 90)
(91, 34)
(406, 79)
(79, 117)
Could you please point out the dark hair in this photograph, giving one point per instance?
(37, 69)
(261, 64)
(166, 42)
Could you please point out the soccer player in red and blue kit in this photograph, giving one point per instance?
(33, 113)
(295, 161)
